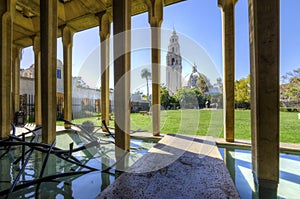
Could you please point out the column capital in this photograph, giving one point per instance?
(104, 24)
(8, 6)
(67, 35)
(17, 46)
(36, 41)
(17, 51)
(155, 12)
(225, 3)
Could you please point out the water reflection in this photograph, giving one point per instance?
(73, 186)
(230, 161)
(238, 162)
(104, 176)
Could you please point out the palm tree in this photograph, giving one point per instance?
(146, 74)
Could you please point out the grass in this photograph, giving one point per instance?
(95, 120)
(207, 122)
(242, 124)
(182, 121)
(289, 126)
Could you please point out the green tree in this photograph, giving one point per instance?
(166, 100)
(242, 92)
(290, 91)
(164, 96)
(201, 98)
(190, 98)
(145, 74)
(203, 84)
(219, 83)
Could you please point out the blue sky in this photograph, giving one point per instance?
(199, 21)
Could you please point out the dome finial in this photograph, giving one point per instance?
(174, 31)
(195, 65)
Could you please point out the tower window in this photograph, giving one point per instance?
(172, 49)
(58, 74)
(173, 62)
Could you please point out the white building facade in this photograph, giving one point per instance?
(174, 65)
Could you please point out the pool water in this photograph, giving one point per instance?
(87, 185)
(240, 168)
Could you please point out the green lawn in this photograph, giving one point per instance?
(208, 122)
(289, 126)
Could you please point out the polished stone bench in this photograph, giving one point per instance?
(179, 166)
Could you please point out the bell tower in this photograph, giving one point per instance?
(174, 65)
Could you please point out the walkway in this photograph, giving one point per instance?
(179, 166)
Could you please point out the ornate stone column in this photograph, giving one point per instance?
(16, 52)
(264, 63)
(7, 10)
(48, 25)
(121, 29)
(227, 8)
(155, 11)
(104, 32)
(67, 40)
(37, 81)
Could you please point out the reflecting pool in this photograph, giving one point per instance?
(240, 168)
(61, 178)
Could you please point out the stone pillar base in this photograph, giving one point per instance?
(265, 188)
(67, 126)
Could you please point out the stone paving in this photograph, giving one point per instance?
(179, 166)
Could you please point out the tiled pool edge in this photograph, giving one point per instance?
(246, 144)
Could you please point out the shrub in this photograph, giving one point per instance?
(289, 109)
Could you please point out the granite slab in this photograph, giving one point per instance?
(179, 166)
